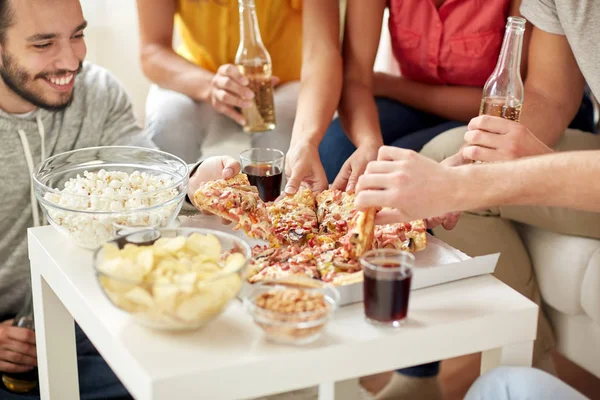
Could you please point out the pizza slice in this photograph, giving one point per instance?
(294, 218)
(360, 234)
(335, 268)
(237, 201)
(334, 209)
(284, 262)
(406, 236)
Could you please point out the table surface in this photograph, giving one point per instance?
(229, 358)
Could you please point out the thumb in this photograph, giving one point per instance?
(390, 216)
(353, 180)
(341, 180)
(293, 184)
(275, 80)
(231, 167)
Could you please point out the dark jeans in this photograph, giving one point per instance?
(408, 128)
(96, 379)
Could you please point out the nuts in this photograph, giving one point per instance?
(291, 301)
(292, 315)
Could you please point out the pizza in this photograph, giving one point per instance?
(318, 237)
(334, 210)
(406, 236)
(361, 230)
(237, 201)
(294, 218)
(270, 263)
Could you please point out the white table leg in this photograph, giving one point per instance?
(343, 390)
(517, 355)
(55, 339)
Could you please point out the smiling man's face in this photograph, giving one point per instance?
(42, 51)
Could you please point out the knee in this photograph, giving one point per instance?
(495, 384)
(173, 113)
(445, 144)
(506, 383)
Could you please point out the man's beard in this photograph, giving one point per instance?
(16, 78)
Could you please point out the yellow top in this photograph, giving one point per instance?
(210, 33)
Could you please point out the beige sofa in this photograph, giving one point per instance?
(568, 272)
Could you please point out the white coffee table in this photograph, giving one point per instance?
(229, 358)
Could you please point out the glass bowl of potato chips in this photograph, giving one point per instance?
(172, 279)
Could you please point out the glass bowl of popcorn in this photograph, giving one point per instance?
(94, 194)
(292, 310)
(172, 279)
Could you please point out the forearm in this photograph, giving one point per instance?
(171, 71)
(460, 103)
(557, 180)
(358, 114)
(547, 118)
(319, 97)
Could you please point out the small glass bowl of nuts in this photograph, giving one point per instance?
(293, 310)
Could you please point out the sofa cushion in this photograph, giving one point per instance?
(567, 270)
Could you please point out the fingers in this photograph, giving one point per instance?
(14, 368)
(451, 221)
(391, 216)
(341, 180)
(373, 182)
(231, 167)
(293, 183)
(455, 160)
(233, 72)
(372, 198)
(22, 335)
(382, 167)
(229, 112)
(491, 124)
(15, 357)
(483, 138)
(478, 153)
(389, 153)
(230, 99)
(353, 180)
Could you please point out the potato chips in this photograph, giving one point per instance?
(175, 283)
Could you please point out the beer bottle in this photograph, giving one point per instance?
(254, 62)
(22, 382)
(503, 91)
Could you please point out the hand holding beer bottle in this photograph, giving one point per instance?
(18, 357)
(230, 92)
(497, 135)
(254, 62)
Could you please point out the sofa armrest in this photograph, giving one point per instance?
(567, 270)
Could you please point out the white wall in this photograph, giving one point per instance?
(112, 41)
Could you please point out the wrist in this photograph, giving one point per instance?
(306, 139)
(370, 142)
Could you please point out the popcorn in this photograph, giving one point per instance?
(105, 202)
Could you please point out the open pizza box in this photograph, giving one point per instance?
(439, 263)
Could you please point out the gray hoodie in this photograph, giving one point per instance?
(101, 114)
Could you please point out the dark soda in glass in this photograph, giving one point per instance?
(386, 285)
(386, 300)
(267, 178)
